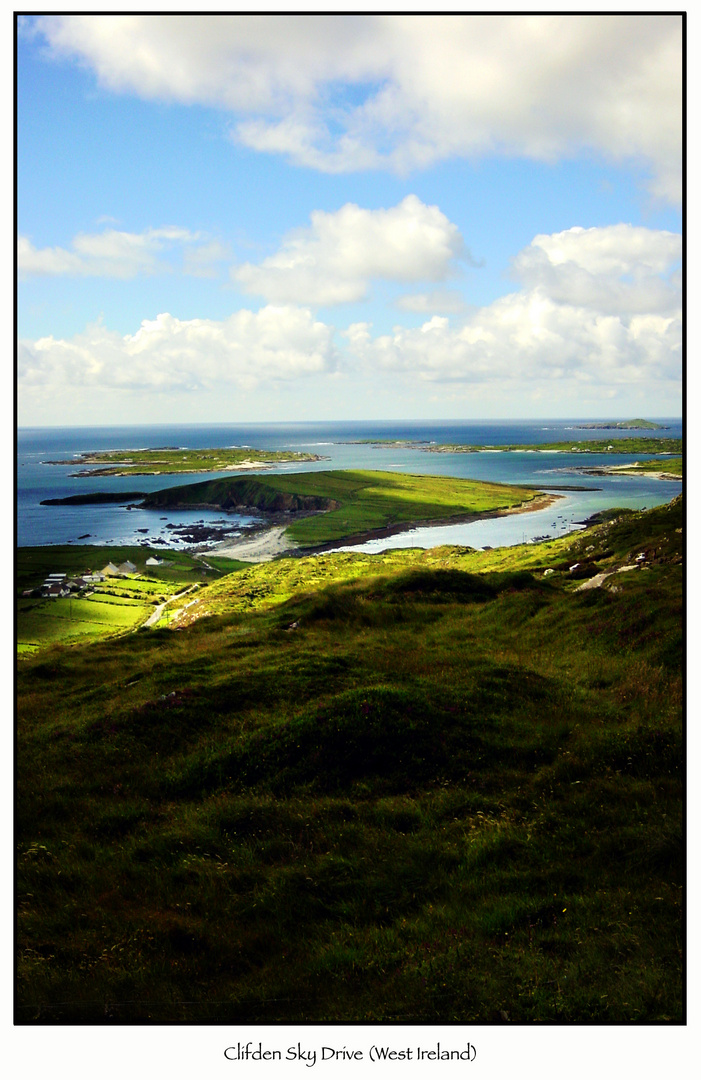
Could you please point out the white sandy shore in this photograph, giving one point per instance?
(262, 547)
(249, 463)
(629, 470)
(241, 466)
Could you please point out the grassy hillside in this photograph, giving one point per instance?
(446, 788)
(353, 501)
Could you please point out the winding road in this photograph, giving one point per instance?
(157, 613)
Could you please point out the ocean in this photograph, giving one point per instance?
(341, 446)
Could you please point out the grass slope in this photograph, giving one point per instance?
(352, 502)
(447, 790)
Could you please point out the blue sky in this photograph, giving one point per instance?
(273, 218)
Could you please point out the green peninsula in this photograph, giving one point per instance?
(174, 459)
(343, 505)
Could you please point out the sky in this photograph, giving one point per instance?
(362, 217)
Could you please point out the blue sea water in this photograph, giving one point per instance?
(340, 447)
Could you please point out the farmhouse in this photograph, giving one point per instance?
(126, 567)
(54, 589)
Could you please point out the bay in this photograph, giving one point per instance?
(341, 446)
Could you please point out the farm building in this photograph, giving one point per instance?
(54, 589)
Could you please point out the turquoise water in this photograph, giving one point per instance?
(336, 444)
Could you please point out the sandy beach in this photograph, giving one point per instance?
(263, 546)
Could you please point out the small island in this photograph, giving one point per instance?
(180, 460)
(626, 425)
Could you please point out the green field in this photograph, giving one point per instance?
(71, 619)
(115, 606)
(174, 460)
(348, 503)
(418, 787)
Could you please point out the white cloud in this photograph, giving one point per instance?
(615, 269)
(562, 325)
(556, 333)
(422, 88)
(527, 337)
(446, 301)
(334, 259)
(237, 62)
(111, 253)
(167, 354)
